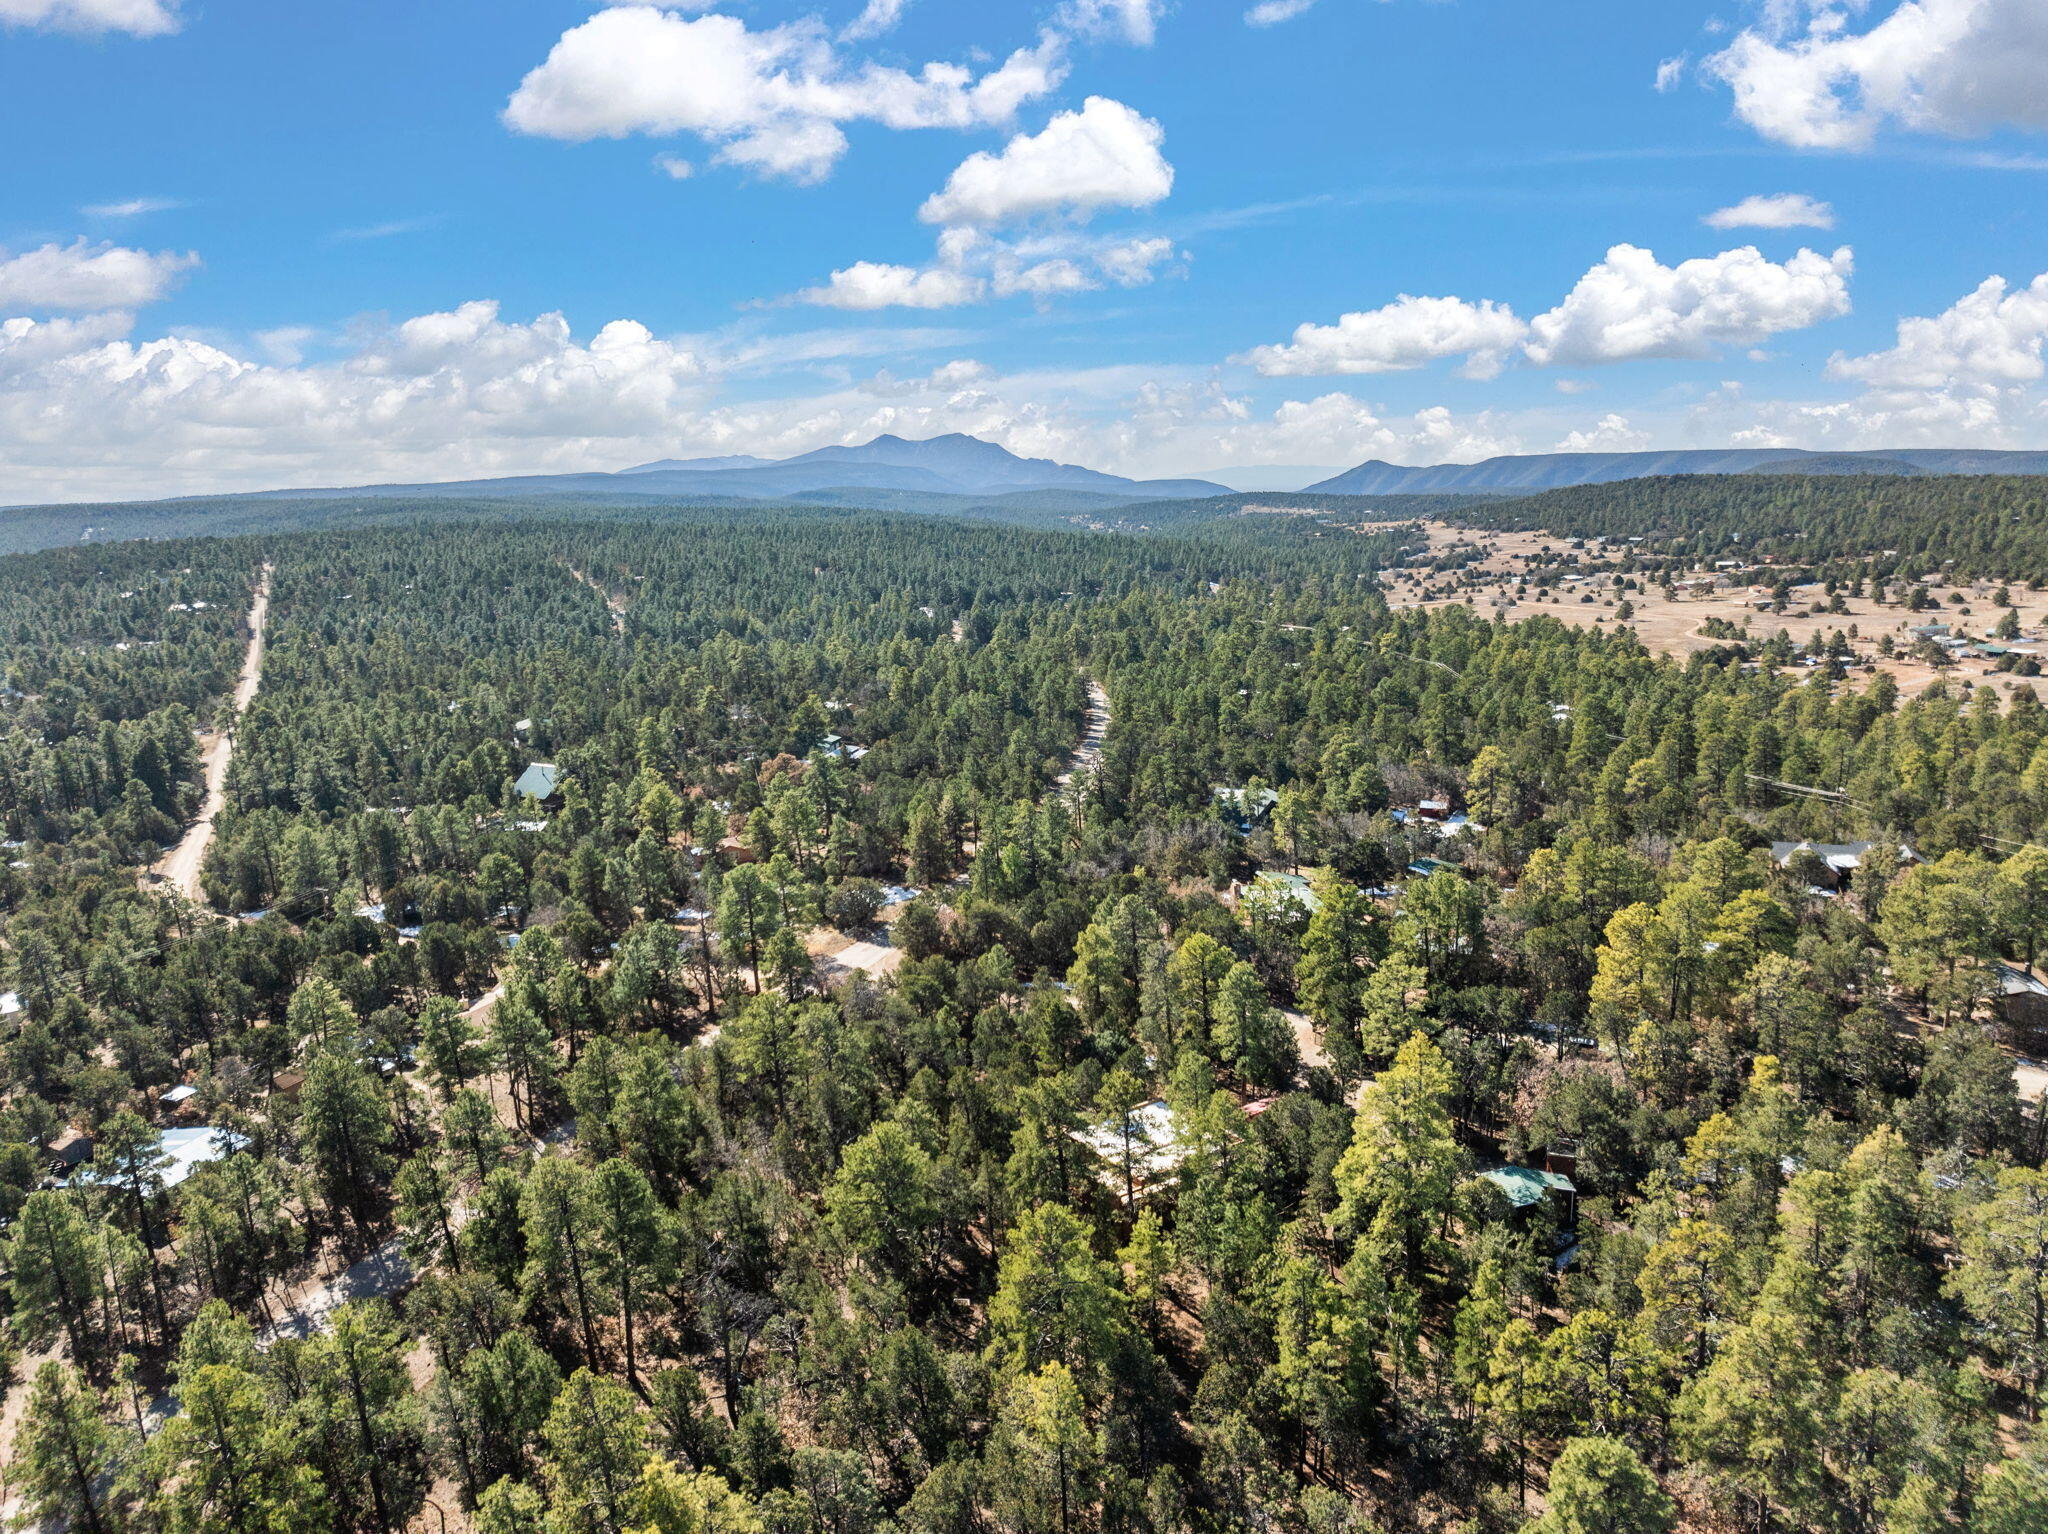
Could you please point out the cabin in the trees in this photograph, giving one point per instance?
(2023, 998)
(1526, 1187)
(541, 781)
(1278, 896)
(1140, 1151)
(1423, 868)
(1828, 865)
(183, 1151)
(68, 1152)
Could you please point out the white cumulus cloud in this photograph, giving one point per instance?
(877, 285)
(83, 410)
(84, 276)
(1989, 340)
(1406, 333)
(1612, 434)
(880, 16)
(1133, 263)
(971, 266)
(1806, 76)
(1782, 210)
(138, 18)
(1105, 155)
(1631, 306)
(88, 412)
(772, 100)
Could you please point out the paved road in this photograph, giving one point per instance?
(180, 866)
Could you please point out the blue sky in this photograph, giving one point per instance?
(247, 244)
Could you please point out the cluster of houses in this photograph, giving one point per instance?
(182, 1146)
(1139, 1155)
(1943, 637)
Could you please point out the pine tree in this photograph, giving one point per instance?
(1055, 1300)
(1048, 1455)
(56, 1283)
(1601, 1486)
(1403, 1160)
(63, 1450)
(555, 1218)
(359, 1408)
(629, 1234)
(426, 1211)
(450, 1049)
(346, 1132)
(2003, 1280)
(596, 1453)
(883, 1202)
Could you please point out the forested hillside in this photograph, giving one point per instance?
(1989, 526)
(691, 1030)
(28, 528)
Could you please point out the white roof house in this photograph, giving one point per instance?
(184, 1151)
(190, 1149)
(2013, 981)
(1842, 857)
(10, 1003)
(539, 781)
(1153, 1143)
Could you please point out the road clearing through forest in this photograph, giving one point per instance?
(180, 867)
(617, 604)
(1088, 754)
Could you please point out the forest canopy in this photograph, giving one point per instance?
(753, 1020)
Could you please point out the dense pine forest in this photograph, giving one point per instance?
(769, 1022)
(1985, 525)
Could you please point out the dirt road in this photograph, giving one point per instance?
(617, 604)
(386, 1273)
(1088, 754)
(180, 866)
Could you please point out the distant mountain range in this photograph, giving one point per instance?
(1551, 471)
(962, 476)
(1281, 477)
(953, 465)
